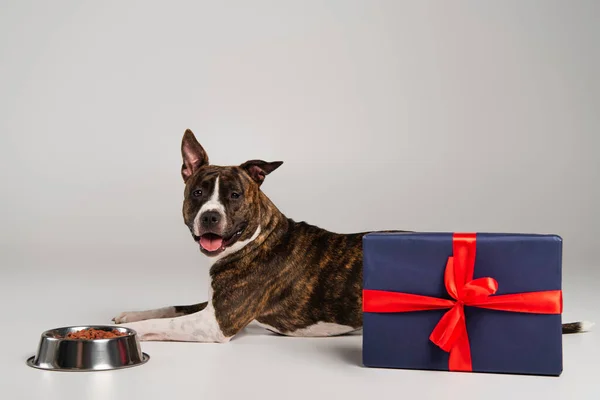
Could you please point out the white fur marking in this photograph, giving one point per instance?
(213, 204)
(317, 330)
(586, 326)
(198, 327)
(134, 316)
(237, 246)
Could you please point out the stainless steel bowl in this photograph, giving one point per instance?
(57, 353)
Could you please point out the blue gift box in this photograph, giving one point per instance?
(500, 341)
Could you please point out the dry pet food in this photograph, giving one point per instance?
(91, 334)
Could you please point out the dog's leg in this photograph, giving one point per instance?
(165, 312)
(201, 326)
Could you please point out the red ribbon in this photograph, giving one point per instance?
(450, 334)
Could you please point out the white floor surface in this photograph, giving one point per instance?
(257, 364)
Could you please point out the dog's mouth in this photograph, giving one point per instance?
(213, 244)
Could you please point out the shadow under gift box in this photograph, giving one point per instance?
(500, 341)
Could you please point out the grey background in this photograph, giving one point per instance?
(429, 116)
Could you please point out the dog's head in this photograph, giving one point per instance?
(222, 204)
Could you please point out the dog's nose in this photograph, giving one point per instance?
(210, 219)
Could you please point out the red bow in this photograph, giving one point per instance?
(450, 334)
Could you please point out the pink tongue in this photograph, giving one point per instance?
(211, 243)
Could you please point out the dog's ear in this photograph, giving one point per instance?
(258, 169)
(193, 155)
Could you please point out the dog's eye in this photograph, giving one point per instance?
(235, 195)
(197, 193)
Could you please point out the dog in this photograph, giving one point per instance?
(293, 278)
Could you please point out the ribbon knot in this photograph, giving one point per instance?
(450, 333)
(466, 292)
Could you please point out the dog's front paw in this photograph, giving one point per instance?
(128, 316)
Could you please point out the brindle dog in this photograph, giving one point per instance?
(293, 278)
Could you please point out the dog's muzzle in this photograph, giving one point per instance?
(212, 233)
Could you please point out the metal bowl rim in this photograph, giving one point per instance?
(47, 334)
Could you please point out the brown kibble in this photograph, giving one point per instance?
(91, 334)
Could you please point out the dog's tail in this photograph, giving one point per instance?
(577, 327)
